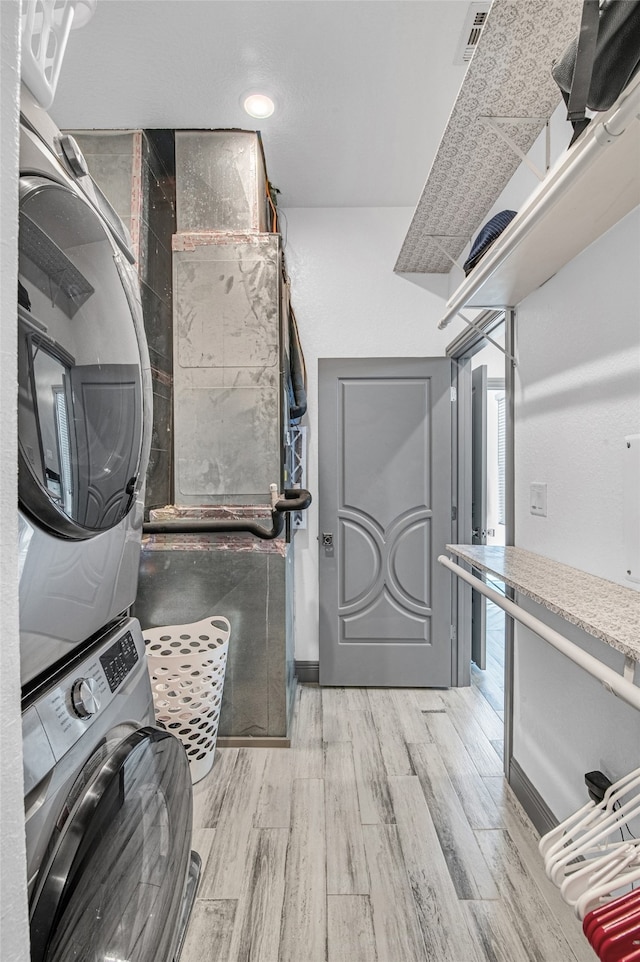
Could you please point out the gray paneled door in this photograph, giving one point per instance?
(385, 514)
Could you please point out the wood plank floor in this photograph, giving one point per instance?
(384, 834)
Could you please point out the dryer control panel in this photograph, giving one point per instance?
(61, 716)
(118, 661)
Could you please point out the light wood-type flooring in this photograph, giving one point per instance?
(386, 833)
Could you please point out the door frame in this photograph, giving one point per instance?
(461, 350)
(479, 392)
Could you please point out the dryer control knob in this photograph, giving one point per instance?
(70, 153)
(84, 697)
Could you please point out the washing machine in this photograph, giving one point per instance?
(84, 406)
(108, 807)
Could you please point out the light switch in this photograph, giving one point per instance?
(538, 498)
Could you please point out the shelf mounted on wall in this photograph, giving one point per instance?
(509, 80)
(593, 185)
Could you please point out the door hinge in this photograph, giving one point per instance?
(453, 634)
(454, 512)
(454, 394)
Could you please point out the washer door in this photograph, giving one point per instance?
(80, 410)
(114, 883)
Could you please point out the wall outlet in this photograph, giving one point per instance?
(597, 784)
(538, 498)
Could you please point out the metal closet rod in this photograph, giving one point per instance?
(615, 683)
(292, 499)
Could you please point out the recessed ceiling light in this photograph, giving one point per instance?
(258, 105)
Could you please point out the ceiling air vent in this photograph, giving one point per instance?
(474, 22)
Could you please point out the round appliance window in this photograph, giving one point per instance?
(114, 883)
(80, 417)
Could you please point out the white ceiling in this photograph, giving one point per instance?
(363, 88)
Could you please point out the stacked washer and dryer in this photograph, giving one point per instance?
(107, 794)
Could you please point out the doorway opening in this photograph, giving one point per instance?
(489, 516)
(484, 358)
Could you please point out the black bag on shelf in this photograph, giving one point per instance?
(599, 63)
(488, 234)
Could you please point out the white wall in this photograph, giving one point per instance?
(349, 303)
(578, 395)
(14, 940)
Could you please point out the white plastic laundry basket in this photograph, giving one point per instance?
(187, 667)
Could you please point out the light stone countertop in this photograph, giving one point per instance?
(602, 608)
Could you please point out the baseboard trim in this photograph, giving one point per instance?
(308, 671)
(530, 799)
(239, 741)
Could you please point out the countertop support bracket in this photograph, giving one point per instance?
(476, 327)
(436, 240)
(494, 124)
(629, 670)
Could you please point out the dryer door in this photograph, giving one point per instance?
(114, 884)
(80, 410)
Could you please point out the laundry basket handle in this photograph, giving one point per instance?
(222, 625)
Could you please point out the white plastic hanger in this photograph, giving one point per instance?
(584, 818)
(598, 894)
(621, 857)
(555, 839)
(591, 842)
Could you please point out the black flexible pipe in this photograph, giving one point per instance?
(297, 371)
(295, 499)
